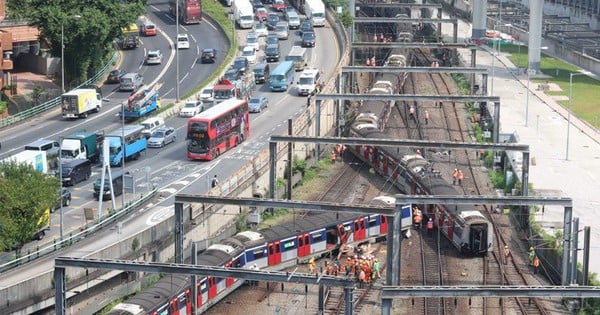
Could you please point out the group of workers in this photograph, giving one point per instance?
(457, 175)
(338, 152)
(362, 269)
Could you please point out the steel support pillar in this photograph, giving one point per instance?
(484, 84)
(386, 304)
(348, 300)
(338, 127)
(439, 26)
(321, 299)
(586, 256)
(479, 19)
(179, 232)
(318, 127)
(536, 8)
(455, 32)
(272, 168)
(525, 190)
(396, 250)
(496, 134)
(194, 261)
(289, 162)
(574, 243)
(60, 291)
(568, 217)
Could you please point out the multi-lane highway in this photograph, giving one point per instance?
(167, 167)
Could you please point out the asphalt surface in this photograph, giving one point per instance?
(167, 167)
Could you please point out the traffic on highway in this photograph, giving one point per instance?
(163, 160)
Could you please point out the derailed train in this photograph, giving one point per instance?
(273, 248)
(467, 228)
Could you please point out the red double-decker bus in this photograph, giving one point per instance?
(218, 129)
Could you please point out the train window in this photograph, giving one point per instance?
(288, 245)
(372, 222)
(257, 254)
(317, 237)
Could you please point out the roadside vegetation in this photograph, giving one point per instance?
(25, 197)
(90, 28)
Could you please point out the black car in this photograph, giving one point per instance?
(208, 55)
(65, 199)
(115, 76)
(257, 4)
(272, 39)
(308, 39)
(272, 21)
(233, 74)
(272, 52)
(305, 26)
(241, 63)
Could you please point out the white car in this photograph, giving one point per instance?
(183, 41)
(207, 94)
(252, 41)
(154, 57)
(191, 108)
(261, 30)
(250, 54)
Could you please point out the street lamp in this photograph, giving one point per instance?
(62, 50)
(571, 75)
(529, 71)
(177, 51)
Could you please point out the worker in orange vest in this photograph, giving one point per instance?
(506, 254)
(332, 156)
(536, 264)
(430, 226)
(312, 265)
(417, 217)
(454, 176)
(460, 177)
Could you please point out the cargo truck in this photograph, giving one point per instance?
(142, 102)
(130, 37)
(37, 159)
(242, 88)
(190, 11)
(80, 102)
(315, 11)
(82, 145)
(135, 143)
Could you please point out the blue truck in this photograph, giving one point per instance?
(135, 143)
(141, 103)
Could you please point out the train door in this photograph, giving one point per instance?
(274, 253)
(383, 224)
(229, 281)
(212, 287)
(303, 245)
(450, 225)
(359, 229)
(478, 238)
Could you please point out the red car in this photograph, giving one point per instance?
(149, 29)
(261, 14)
(279, 5)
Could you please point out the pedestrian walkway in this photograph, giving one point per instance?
(26, 82)
(546, 134)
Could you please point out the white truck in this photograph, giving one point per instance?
(37, 159)
(80, 102)
(243, 13)
(315, 11)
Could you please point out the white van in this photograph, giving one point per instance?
(307, 82)
(150, 125)
(293, 19)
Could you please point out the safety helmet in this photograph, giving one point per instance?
(505, 246)
(531, 248)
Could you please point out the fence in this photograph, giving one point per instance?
(12, 119)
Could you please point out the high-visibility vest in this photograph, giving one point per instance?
(536, 262)
(430, 225)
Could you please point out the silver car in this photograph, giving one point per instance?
(162, 136)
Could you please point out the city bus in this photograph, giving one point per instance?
(135, 143)
(282, 77)
(298, 56)
(218, 129)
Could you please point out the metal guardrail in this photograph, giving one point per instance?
(73, 238)
(12, 119)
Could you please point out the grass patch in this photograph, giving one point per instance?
(586, 90)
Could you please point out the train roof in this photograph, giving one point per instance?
(159, 293)
(219, 254)
(307, 224)
(250, 238)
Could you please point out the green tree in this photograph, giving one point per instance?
(25, 196)
(87, 39)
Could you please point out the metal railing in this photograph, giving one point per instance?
(72, 238)
(28, 113)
